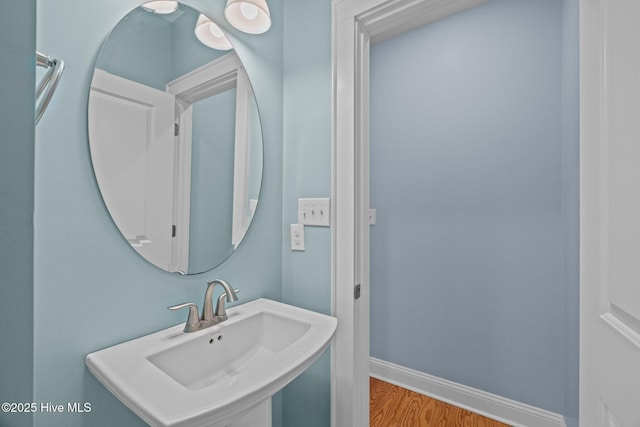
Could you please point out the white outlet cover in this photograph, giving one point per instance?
(297, 237)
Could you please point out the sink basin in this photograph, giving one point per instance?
(214, 376)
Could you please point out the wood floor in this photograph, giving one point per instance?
(393, 406)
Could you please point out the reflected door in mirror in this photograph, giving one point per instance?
(133, 153)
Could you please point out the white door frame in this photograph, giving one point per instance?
(355, 25)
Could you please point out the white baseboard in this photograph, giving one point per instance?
(489, 405)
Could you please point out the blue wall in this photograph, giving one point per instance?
(307, 173)
(91, 289)
(17, 80)
(474, 178)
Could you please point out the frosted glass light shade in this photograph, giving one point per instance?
(163, 7)
(250, 16)
(211, 35)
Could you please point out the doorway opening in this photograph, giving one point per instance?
(377, 22)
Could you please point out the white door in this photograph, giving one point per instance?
(132, 149)
(610, 213)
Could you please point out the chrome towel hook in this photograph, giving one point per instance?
(49, 83)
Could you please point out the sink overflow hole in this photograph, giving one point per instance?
(219, 338)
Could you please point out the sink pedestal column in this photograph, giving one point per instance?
(259, 416)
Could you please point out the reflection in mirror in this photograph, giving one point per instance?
(175, 139)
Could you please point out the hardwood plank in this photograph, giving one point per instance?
(393, 406)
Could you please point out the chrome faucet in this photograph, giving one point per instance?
(209, 317)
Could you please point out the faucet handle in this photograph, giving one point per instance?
(221, 311)
(193, 320)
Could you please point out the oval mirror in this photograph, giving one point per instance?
(175, 137)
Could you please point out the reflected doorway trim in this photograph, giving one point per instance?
(220, 75)
(355, 25)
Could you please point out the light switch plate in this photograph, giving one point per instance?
(297, 237)
(314, 212)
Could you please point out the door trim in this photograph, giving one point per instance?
(355, 25)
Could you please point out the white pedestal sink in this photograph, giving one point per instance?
(221, 376)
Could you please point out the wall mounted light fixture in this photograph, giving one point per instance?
(211, 35)
(250, 16)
